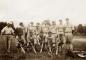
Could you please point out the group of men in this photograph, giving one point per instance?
(42, 37)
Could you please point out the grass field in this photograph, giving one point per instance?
(78, 42)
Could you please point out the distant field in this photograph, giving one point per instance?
(79, 43)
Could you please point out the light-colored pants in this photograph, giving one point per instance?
(19, 39)
(7, 40)
(68, 37)
(54, 37)
(45, 35)
(30, 36)
(36, 39)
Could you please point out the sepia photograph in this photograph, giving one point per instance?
(42, 29)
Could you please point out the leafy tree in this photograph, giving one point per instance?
(80, 29)
(2, 25)
(84, 28)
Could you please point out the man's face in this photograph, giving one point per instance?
(32, 23)
(53, 23)
(60, 21)
(67, 20)
(50, 34)
(8, 25)
(37, 24)
(41, 34)
(21, 24)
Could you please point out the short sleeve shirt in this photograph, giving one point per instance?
(45, 29)
(7, 30)
(60, 29)
(68, 28)
(53, 29)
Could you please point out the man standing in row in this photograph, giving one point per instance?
(21, 37)
(31, 36)
(7, 33)
(68, 31)
(68, 46)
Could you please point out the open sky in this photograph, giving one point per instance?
(39, 10)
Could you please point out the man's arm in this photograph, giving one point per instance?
(2, 31)
(13, 32)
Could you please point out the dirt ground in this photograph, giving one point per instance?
(78, 42)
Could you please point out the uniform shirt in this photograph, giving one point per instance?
(7, 30)
(38, 29)
(68, 28)
(45, 28)
(31, 29)
(53, 29)
(60, 28)
(23, 28)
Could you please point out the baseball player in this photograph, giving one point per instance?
(68, 46)
(45, 29)
(53, 30)
(37, 32)
(60, 29)
(50, 38)
(8, 33)
(31, 35)
(30, 32)
(68, 50)
(68, 31)
(37, 37)
(21, 37)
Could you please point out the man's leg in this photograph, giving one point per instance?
(9, 43)
(57, 50)
(57, 44)
(5, 41)
(45, 41)
(49, 46)
(70, 37)
(23, 42)
(23, 38)
(41, 46)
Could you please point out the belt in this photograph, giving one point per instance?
(45, 33)
(7, 34)
(53, 33)
(60, 31)
(68, 32)
(53, 43)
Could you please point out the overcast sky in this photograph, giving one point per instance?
(35, 10)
